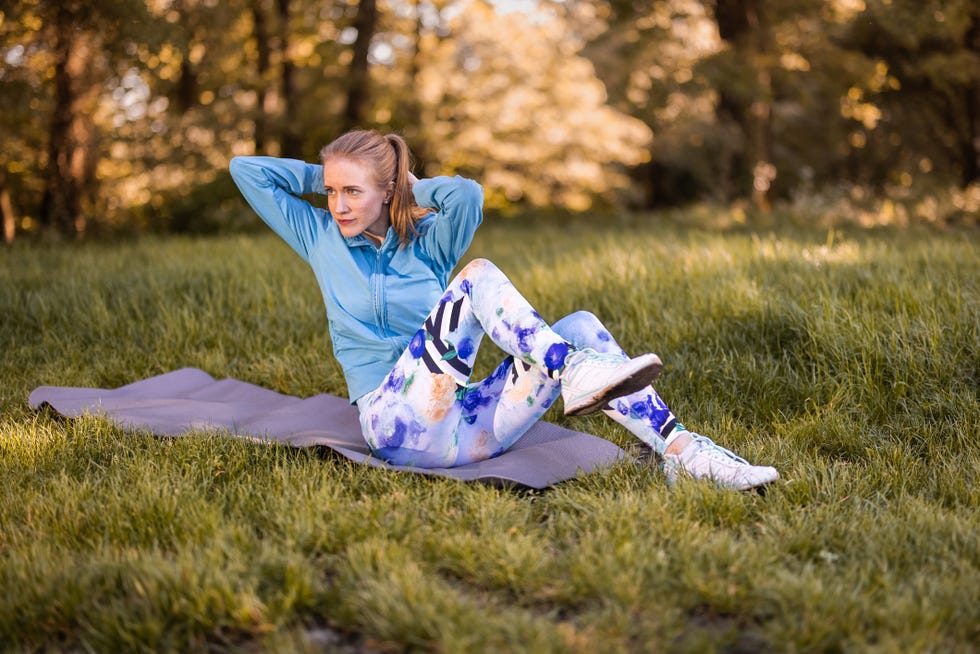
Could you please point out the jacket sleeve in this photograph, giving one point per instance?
(459, 211)
(272, 187)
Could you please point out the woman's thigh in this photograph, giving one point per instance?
(426, 419)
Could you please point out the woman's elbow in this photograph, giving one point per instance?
(238, 164)
(245, 169)
(471, 192)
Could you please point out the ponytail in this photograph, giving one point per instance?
(404, 211)
(390, 159)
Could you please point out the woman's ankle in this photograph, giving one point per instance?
(680, 439)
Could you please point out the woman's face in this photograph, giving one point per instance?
(354, 199)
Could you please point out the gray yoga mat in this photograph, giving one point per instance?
(188, 399)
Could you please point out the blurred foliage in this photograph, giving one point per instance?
(122, 115)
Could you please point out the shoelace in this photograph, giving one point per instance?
(715, 451)
(586, 356)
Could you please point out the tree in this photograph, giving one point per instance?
(358, 79)
(926, 57)
(649, 56)
(513, 104)
(23, 60)
(263, 64)
(744, 26)
(407, 37)
(744, 96)
(69, 174)
(79, 44)
(60, 204)
(291, 140)
(174, 106)
(7, 213)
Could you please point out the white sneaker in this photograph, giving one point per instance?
(590, 379)
(703, 459)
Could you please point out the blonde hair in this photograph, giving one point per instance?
(390, 159)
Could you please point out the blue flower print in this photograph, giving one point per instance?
(417, 346)
(554, 358)
(464, 349)
(395, 380)
(474, 399)
(525, 336)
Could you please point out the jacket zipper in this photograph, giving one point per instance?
(379, 292)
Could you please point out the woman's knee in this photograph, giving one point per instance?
(579, 322)
(478, 267)
(584, 329)
(480, 273)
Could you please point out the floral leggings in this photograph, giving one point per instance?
(428, 414)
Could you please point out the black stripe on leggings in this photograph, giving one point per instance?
(454, 317)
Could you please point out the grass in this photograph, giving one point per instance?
(850, 360)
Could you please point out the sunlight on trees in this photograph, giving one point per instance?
(124, 114)
(536, 127)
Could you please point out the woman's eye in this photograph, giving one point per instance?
(328, 191)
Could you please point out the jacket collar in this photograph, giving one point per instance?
(391, 238)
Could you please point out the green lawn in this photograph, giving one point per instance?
(850, 360)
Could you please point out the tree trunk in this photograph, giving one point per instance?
(186, 85)
(264, 56)
(60, 202)
(413, 114)
(358, 91)
(84, 156)
(742, 24)
(291, 144)
(187, 77)
(7, 210)
(971, 144)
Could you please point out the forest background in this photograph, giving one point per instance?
(122, 115)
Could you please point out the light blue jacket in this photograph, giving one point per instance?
(376, 298)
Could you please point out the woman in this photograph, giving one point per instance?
(406, 336)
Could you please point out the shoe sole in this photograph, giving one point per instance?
(650, 367)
